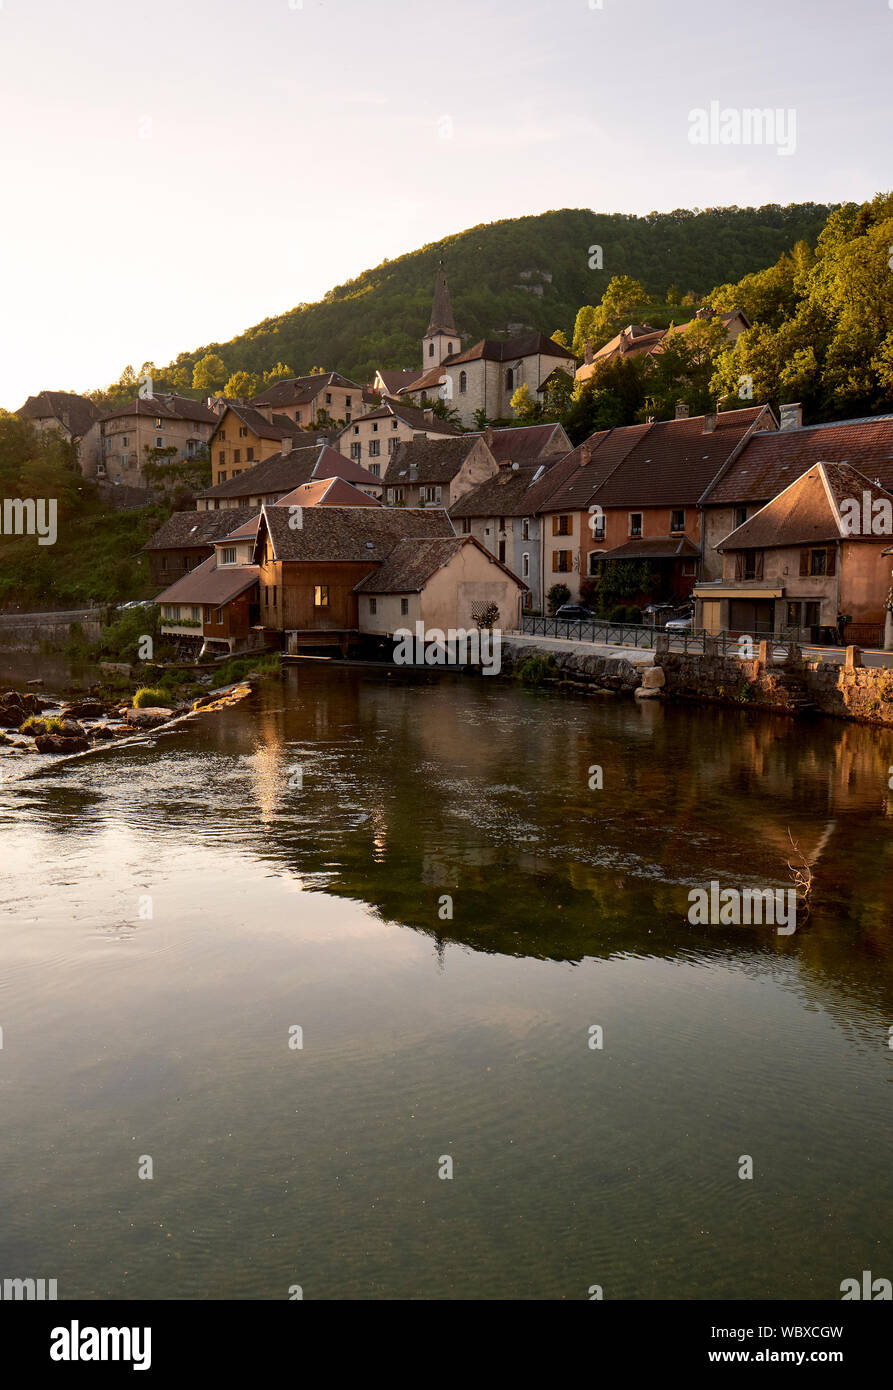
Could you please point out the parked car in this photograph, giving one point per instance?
(681, 624)
(573, 613)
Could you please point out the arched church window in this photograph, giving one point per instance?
(509, 380)
(463, 381)
(430, 349)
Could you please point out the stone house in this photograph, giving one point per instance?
(487, 375)
(425, 472)
(268, 481)
(372, 439)
(770, 461)
(440, 583)
(311, 400)
(68, 414)
(810, 563)
(244, 436)
(119, 444)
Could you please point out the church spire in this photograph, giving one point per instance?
(441, 309)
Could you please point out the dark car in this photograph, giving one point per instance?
(573, 613)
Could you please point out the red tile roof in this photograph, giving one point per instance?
(770, 461)
(809, 510)
(208, 584)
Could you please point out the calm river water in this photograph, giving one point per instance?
(294, 853)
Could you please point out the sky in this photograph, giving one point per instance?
(174, 173)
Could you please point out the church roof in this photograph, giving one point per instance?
(441, 309)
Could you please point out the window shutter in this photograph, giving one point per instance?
(758, 565)
(554, 525)
(555, 555)
(804, 562)
(832, 559)
(739, 565)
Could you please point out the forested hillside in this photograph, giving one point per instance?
(496, 273)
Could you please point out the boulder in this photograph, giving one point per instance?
(653, 678)
(84, 709)
(11, 698)
(11, 716)
(101, 731)
(115, 668)
(57, 743)
(149, 717)
(32, 705)
(72, 729)
(643, 693)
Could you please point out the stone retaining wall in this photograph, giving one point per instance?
(34, 632)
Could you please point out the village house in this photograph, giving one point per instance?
(527, 443)
(245, 436)
(645, 482)
(167, 428)
(425, 472)
(309, 573)
(641, 340)
(502, 513)
(70, 415)
(442, 584)
(372, 439)
(318, 399)
(213, 606)
(186, 539)
(814, 561)
(281, 473)
(769, 462)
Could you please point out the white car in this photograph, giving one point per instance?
(680, 624)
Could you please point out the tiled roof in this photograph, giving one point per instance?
(394, 380)
(328, 492)
(506, 494)
(809, 510)
(590, 464)
(353, 534)
(280, 427)
(412, 562)
(166, 407)
(184, 530)
(416, 419)
(76, 413)
(527, 443)
(653, 548)
(433, 460)
(283, 472)
(441, 320)
(527, 345)
(208, 584)
(300, 390)
(770, 461)
(675, 461)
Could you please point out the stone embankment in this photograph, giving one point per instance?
(34, 632)
(776, 678)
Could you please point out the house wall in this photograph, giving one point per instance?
(468, 581)
(227, 442)
(552, 544)
(486, 387)
(486, 530)
(105, 448)
(295, 582)
(236, 616)
(167, 565)
(386, 433)
(336, 402)
(388, 615)
(716, 524)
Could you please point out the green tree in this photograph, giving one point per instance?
(599, 323)
(244, 384)
(526, 410)
(209, 373)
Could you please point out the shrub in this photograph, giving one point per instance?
(633, 615)
(536, 669)
(589, 592)
(148, 696)
(557, 595)
(617, 615)
(35, 726)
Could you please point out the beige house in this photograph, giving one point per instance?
(311, 400)
(372, 440)
(440, 583)
(244, 436)
(118, 446)
(437, 472)
(68, 414)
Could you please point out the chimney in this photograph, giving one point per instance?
(428, 413)
(681, 410)
(585, 454)
(791, 416)
(587, 352)
(709, 423)
(286, 446)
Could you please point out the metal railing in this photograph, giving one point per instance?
(695, 640)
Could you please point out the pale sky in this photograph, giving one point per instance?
(175, 172)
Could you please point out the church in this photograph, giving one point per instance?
(483, 377)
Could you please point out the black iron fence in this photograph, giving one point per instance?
(695, 640)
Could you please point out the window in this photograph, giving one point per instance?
(356, 429)
(392, 444)
(677, 521)
(196, 614)
(275, 595)
(812, 614)
(430, 349)
(525, 528)
(158, 422)
(221, 477)
(594, 557)
(375, 469)
(394, 424)
(740, 516)
(356, 450)
(749, 564)
(792, 615)
(375, 427)
(404, 607)
(321, 596)
(209, 613)
(466, 525)
(159, 442)
(164, 562)
(374, 448)
(218, 617)
(347, 416)
(243, 431)
(463, 382)
(222, 434)
(689, 569)
(818, 562)
(373, 606)
(124, 441)
(328, 398)
(395, 494)
(221, 457)
(228, 555)
(249, 454)
(525, 565)
(561, 526)
(347, 400)
(635, 523)
(298, 416)
(449, 348)
(509, 379)
(237, 455)
(430, 494)
(561, 562)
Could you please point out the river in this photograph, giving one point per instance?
(173, 911)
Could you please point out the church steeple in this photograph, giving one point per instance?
(442, 337)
